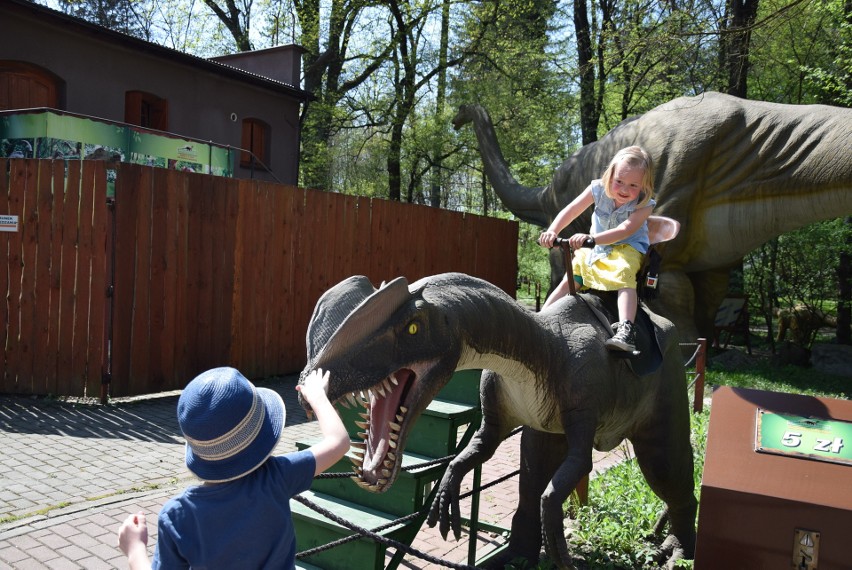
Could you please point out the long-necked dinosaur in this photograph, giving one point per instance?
(393, 349)
(734, 172)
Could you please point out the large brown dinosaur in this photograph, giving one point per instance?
(735, 173)
(393, 349)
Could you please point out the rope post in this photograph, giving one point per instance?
(700, 366)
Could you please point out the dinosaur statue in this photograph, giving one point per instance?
(735, 173)
(392, 349)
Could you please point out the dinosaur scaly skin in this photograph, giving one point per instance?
(548, 371)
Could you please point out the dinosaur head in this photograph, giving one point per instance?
(389, 351)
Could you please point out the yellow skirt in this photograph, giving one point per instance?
(616, 271)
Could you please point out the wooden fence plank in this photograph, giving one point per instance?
(237, 294)
(41, 316)
(292, 347)
(27, 304)
(167, 189)
(80, 359)
(159, 337)
(59, 382)
(14, 379)
(129, 176)
(378, 269)
(195, 277)
(97, 324)
(140, 348)
(5, 261)
(68, 280)
(275, 316)
(183, 323)
(225, 200)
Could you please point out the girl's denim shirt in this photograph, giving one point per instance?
(606, 216)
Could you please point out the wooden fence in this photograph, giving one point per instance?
(181, 272)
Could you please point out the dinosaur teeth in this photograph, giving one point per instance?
(380, 389)
(394, 436)
(392, 379)
(403, 409)
(351, 397)
(387, 385)
(399, 417)
(356, 462)
(394, 426)
(392, 443)
(388, 463)
(343, 403)
(391, 455)
(359, 445)
(363, 425)
(386, 472)
(362, 435)
(364, 416)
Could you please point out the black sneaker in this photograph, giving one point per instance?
(624, 339)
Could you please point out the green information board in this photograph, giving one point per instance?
(805, 437)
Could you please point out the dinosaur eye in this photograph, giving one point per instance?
(413, 328)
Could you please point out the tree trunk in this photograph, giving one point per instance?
(588, 116)
(736, 39)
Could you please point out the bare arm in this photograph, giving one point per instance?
(133, 541)
(577, 206)
(335, 442)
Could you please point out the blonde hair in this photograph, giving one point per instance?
(634, 157)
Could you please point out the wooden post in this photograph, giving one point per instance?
(700, 366)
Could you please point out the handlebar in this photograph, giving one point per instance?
(588, 242)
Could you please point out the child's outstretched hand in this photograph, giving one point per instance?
(314, 388)
(133, 540)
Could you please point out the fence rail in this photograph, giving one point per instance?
(181, 272)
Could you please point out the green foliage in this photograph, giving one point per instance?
(533, 265)
(798, 268)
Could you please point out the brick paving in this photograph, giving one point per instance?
(71, 472)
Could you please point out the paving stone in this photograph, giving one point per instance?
(77, 470)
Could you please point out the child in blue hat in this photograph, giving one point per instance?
(239, 517)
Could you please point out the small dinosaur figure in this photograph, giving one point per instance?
(392, 349)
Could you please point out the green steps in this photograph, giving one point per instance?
(313, 530)
(445, 426)
(407, 495)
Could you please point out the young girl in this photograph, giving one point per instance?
(623, 199)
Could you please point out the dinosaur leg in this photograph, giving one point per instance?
(579, 426)
(483, 444)
(541, 455)
(668, 468)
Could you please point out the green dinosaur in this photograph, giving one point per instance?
(392, 349)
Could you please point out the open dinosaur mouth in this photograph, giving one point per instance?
(375, 458)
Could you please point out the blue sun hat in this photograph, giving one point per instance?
(230, 426)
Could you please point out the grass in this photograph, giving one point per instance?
(615, 529)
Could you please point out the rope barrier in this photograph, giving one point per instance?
(379, 538)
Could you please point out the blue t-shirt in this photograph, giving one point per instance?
(245, 523)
